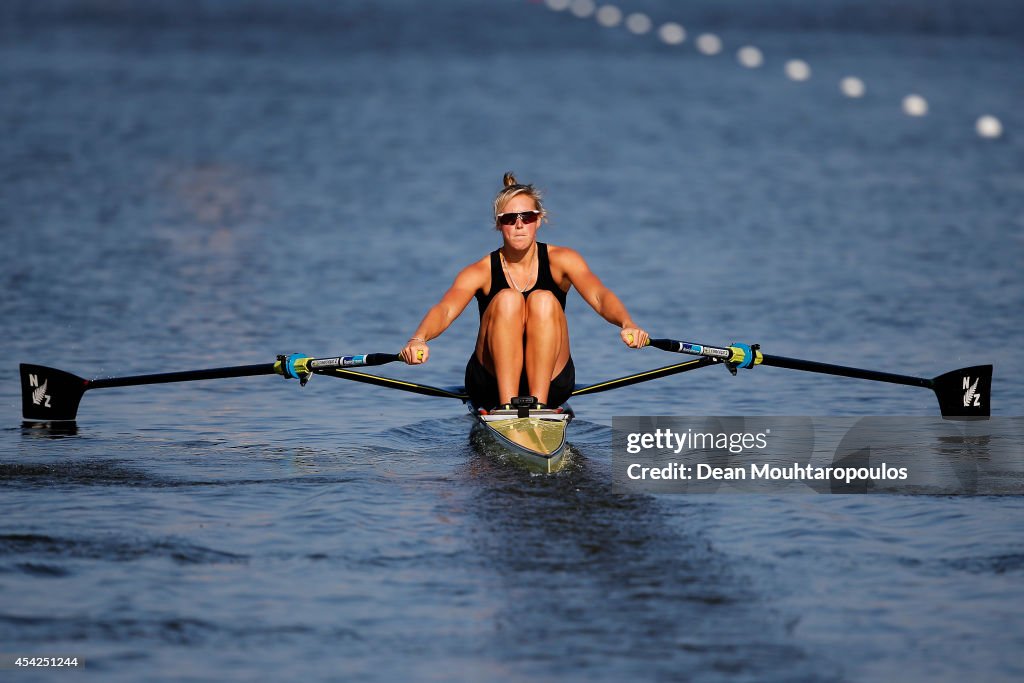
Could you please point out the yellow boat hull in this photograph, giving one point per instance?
(536, 441)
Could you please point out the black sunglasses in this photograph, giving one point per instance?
(527, 217)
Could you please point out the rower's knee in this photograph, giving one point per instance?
(542, 305)
(508, 303)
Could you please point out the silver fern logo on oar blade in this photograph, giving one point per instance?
(39, 395)
(965, 393)
(972, 399)
(49, 394)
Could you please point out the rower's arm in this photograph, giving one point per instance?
(442, 314)
(600, 298)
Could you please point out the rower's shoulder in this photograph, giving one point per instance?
(484, 264)
(565, 256)
(477, 271)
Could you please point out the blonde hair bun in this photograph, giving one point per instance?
(512, 188)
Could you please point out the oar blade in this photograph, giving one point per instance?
(49, 395)
(965, 393)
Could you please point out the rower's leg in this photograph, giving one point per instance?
(500, 344)
(547, 342)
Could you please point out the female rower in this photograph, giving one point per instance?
(522, 348)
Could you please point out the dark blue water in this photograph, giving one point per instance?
(194, 185)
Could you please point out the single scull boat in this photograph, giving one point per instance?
(535, 437)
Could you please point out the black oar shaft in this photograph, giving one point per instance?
(186, 376)
(723, 353)
(844, 371)
(317, 364)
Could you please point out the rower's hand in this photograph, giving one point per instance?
(634, 337)
(415, 352)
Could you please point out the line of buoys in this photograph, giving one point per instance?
(749, 56)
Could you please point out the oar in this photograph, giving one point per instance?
(646, 376)
(961, 393)
(52, 395)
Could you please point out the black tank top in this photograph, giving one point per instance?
(498, 282)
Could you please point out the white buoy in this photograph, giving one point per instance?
(559, 5)
(851, 86)
(638, 23)
(750, 57)
(915, 105)
(989, 127)
(609, 16)
(582, 8)
(798, 70)
(709, 44)
(672, 33)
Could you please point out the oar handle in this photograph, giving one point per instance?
(743, 355)
(356, 361)
(673, 346)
